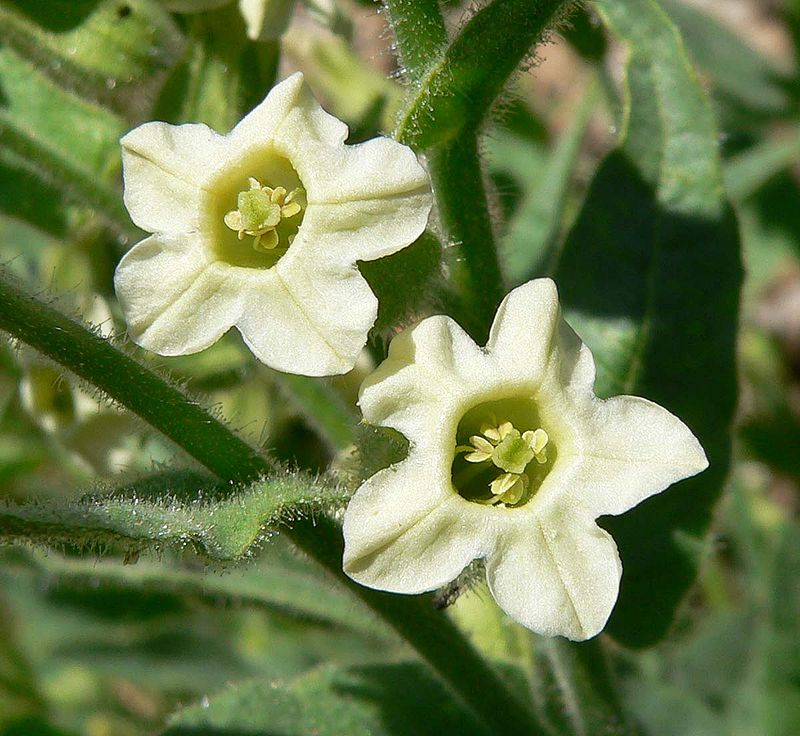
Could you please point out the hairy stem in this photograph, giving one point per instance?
(580, 675)
(419, 29)
(213, 445)
(454, 87)
(457, 177)
(459, 88)
(435, 638)
(129, 383)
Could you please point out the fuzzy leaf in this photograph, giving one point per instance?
(377, 700)
(66, 148)
(536, 228)
(223, 527)
(100, 49)
(277, 580)
(403, 282)
(650, 276)
(739, 73)
(461, 84)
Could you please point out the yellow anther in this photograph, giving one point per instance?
(507, 449)
(260, 210)
(537, 441)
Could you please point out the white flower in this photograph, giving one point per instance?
(262, 229)
(511, 459)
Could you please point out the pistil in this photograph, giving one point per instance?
(510, 451)
(260, 209)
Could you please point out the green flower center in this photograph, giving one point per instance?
(253, 210)
(260, 210)
(501, 464)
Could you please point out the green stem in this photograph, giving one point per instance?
(211, 443)
(580, 674)
(457, 177)
(129, 383)
(455, 87)
(420, 32)
(435, 638)
(455, 171)
(461, 85)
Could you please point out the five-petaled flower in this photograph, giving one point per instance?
(511, 459)
(262, 229)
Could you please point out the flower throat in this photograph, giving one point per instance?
(503, 453)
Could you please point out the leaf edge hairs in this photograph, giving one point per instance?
(294, 291)
(413, 527)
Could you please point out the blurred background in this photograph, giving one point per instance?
(91, 644)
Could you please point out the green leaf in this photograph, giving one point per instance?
(377, 700)
(770, 222)
(222, 74)
(219, 524)
(404, 282)
(19, 696)
(31, 199)
(67, 149)
(115, 53)
(738, 71)
(418, 26)
(85, 633)
(650, 278)
(276, 581)
(321, 406)
(749, 171)
(736, 668)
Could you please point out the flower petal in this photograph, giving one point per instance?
(363, 230)
(288, 112)
(634, 449)
(175, 301)
(406, 531)
(524, 331)
(314, 324)
(373, 195)
(164, 168)
(368, 201)
(430, 368)
(556, 574)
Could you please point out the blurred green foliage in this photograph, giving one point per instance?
(178, 607)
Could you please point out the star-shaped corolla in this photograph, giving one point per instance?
(511, 459)
(262, 229)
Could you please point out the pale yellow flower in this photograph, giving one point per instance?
(511, 459)
(262, 229)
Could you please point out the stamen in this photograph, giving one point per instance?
(510, 451)
(260, 210)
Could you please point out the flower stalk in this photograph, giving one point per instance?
(215, 446)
